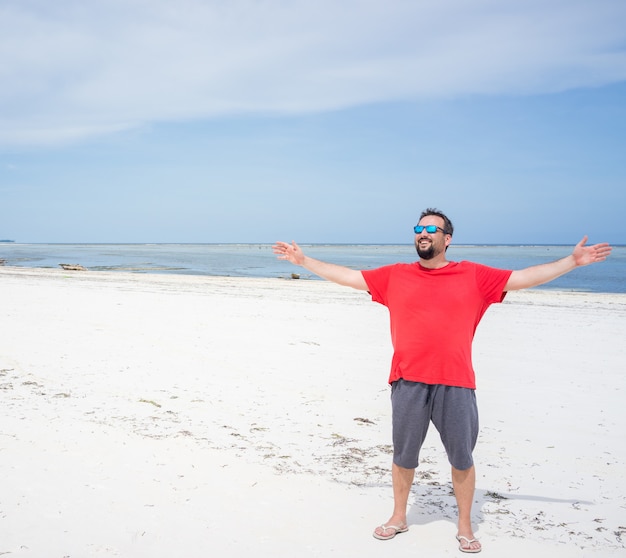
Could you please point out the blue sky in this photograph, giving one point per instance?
(326, 121)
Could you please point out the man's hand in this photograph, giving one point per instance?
(290, 252)
(543, 273)
(585, 255)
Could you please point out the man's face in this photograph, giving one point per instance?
(430, 245)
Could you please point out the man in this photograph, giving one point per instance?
(435, 306)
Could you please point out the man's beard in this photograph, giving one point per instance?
(426, 253)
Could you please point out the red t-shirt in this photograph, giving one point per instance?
(434, 314)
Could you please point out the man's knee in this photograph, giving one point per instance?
(464, 471)
(461, 461)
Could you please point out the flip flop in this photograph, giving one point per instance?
(467, 542)
(393, 531)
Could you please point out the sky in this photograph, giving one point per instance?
(334, 121)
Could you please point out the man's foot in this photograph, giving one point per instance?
(471, 546)
(384, 532)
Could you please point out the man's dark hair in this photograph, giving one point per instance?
(447, 224)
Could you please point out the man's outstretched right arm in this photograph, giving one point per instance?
(332, 272)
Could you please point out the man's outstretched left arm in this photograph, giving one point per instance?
(544, 273)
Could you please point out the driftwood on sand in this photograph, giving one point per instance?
(73, 267)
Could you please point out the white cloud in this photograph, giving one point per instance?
(71, 69)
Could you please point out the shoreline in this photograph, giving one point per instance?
(257, 260)
(109, 276)
(152, 414)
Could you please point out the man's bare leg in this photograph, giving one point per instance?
(402, 480)
(464, 483)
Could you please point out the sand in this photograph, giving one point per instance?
(155, 415)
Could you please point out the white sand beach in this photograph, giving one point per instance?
(164, 416)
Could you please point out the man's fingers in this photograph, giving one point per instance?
(602, 251)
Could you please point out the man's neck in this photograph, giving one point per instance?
(435, 263)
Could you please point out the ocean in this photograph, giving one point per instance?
(257, 260)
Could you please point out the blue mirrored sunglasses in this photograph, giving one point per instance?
(430, 229)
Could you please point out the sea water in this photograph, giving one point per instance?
(257, 260)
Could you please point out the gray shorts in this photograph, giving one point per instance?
(452, 410)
